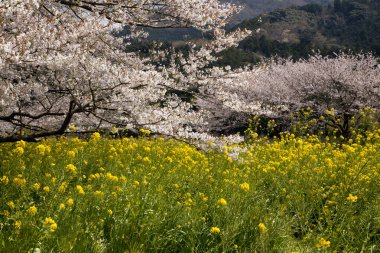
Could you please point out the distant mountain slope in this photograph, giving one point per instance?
(254, 8)
(298, 31)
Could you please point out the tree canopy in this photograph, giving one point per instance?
(61, 64)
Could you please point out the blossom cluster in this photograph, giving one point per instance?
(61, 63)
(346, 82)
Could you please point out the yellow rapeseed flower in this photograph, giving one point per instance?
(62, 206)
(262, 228)
(144, 132)
(11, 204)
(49, 222)
(42, 149)
(21, 144)
(111, 177)
(62, 187)
(70, 202)
(71, 168)
(71, 154)
(17, 224)
(215, 230)
(222, 202)
(36, 186)
(95, 136)
(18, 151)
(19, 181)
(99, 193)
(189, 202)
(146, 159)
(32, 210)
(46, 189)
(203, 197)
(352, 198)
(4, 180)
(323, 243)
(244, 187)
(80, 190)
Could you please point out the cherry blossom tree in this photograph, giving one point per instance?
(336, 87)
(61, 64)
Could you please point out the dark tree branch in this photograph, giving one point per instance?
(33, 137)
(27, 115)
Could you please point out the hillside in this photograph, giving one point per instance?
(299, 31)
(296, 31)
(254, 8)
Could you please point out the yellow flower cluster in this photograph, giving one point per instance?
(262, 228)
(51, 224)
(352, 198)
(43, 149)
(222, 202)
(95, 136)
(11, 204)
(19, 150)
(4, 180)
(32, 210)
(215, 230)
(111, 177)
(71, 168)
(144, 131)
(168, 183)
(70, 202)
(17, 224)
(80, 190)
(323, 243)
(36, 186)
(244, 187)
(19, 180)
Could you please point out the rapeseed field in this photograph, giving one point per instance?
(287, 194)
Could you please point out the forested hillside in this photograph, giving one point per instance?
(253, 8)
(299, 31)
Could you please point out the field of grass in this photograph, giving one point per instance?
(289, 194)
